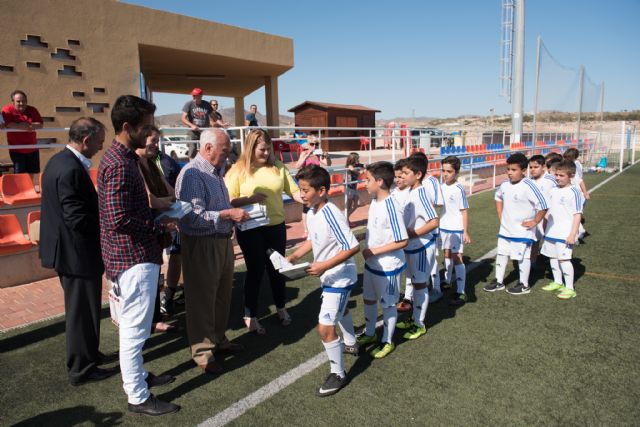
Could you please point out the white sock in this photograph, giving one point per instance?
(390, 316)
(435, 275)
(461, 273)
(555, 270)
(420, 304)
(408, 290)
(501, 267)
(370, 317)
(581, 231)
(448, 270)
(567, 273)
(334, 352)
(525, 268)
(348, 331)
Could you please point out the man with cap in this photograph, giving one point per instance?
(196, 115)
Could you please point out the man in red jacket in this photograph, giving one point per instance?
(20, 115)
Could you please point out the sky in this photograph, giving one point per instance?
(431, 58)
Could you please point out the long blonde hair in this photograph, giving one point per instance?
(244, 163)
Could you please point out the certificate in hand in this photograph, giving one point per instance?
(257, 217)
(284, 267)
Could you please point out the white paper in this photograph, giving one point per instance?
(177, 210)
(257, 217)
(284, 267)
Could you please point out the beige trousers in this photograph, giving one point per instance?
(207, 265)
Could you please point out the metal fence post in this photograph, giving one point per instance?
(471, 177)
(370, 145)
(622, 143)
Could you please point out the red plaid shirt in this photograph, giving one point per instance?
(128, 235)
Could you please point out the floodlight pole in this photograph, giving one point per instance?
(537, 92)
(517, 110)
(580, 94)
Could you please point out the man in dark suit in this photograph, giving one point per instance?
(70, 244)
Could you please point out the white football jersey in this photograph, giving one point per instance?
(330, 234)
(455, 200)
(545, 183)
(417, 212)
(401, 197)
(385, 225)
(564, 203)
(434, 191)
(521, 202)
(577, 178)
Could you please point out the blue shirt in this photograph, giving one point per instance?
(251, 118)
(200, 184)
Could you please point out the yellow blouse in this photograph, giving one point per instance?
(271, 181)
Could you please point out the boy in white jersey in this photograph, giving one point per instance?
(573, 155)
(434, 192)
(521, 206)
(545, 182)
(400, 193)
(333, 247)
(454, 226)
(565, 213)
(421, 221)
(384, 259)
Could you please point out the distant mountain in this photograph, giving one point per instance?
(228, 114)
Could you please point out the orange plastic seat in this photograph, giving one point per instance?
(12, 240)
(18, 189)
(33, 218)
(338, 188)
(362, 184)
(93, 173)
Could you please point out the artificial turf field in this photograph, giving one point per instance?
(499, 359)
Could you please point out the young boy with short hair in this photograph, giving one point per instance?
(400, 193)
(454, 227)
(520, 206)
(434, 191)
(384, 259)
(422, 222)
(545, 182)
(565, 213)
(333, 247)
(572, 154)
(550, 160)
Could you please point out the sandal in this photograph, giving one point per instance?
(285, 319)
(254, 327)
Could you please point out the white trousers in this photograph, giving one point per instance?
(138, 286)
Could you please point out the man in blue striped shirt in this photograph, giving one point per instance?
(207, 252)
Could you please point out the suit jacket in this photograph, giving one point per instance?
(69, 218)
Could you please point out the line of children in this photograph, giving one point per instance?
(545, 182)
(405, 218)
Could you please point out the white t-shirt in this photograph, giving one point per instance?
(520, 201)
(432, 185)
(417, 212)
(545, 183)
(385, 225)
(455, 200)
(564, 203)
(577, 178)
(330, 234)
(401, 197)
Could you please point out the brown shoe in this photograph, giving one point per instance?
(404, 306)
(231, 347)
(213, 368)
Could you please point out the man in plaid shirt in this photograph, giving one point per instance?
(130, 248)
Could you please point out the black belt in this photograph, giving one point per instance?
(220, 235)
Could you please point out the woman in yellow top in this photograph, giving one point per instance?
(257, 177)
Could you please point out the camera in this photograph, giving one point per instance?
(317, 151)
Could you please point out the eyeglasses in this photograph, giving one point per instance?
(214, 105)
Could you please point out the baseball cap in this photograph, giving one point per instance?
(196, 91)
